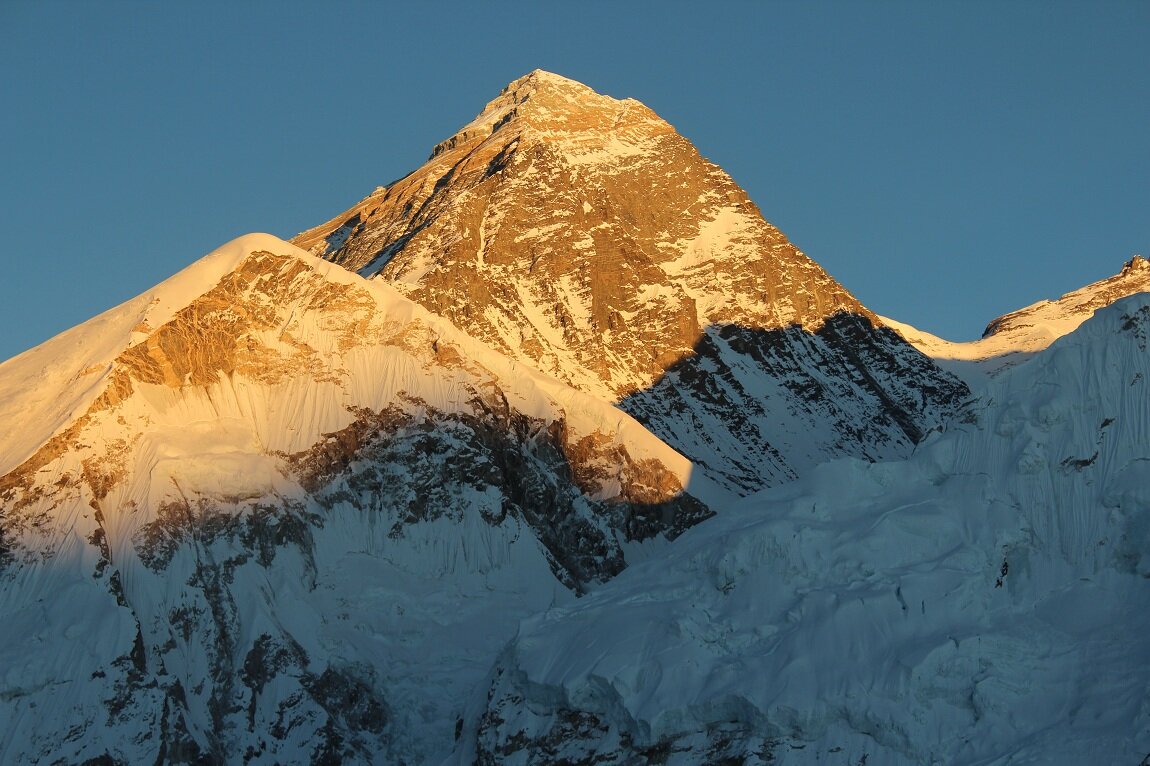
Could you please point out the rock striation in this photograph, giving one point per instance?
(584, 236)
(269, 449)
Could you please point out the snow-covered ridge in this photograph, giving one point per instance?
(49, 373)
(583, 236)
(43, 389)
(274, 443)
(1014, 337)
(982, 602)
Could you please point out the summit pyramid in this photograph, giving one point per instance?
(584, 236)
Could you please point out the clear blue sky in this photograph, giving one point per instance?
(946, 162)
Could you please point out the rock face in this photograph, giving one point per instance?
(584, 236)
(202, 564)
(760, 407)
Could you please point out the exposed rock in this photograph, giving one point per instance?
(199, 534)
(584, 236)
(410, 466)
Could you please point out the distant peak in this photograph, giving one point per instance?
(540, 78)
(1136, 264)
(548, 89)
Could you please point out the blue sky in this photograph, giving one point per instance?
(946, 162)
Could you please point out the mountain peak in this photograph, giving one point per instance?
(1135, 265)
(563, 113)
(542, 80)
(582, 235)
(544, 91)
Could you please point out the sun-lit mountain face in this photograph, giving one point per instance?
(555, 451)
(582, 233)
(238, 440)
(1015, 337)
(583, 236)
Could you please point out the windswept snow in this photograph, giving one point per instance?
(1015, 337)
(983, 602)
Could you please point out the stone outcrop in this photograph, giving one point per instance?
(584, 236)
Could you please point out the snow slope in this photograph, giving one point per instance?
(46, 387)
(984, 602)
(1015, 337)
(291, 516)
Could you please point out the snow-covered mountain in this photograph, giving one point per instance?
(582, 235)
(273, 510)
(1017, 336)
(985, 602)
(481, 483)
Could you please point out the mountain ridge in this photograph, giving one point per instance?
(1014, 337)
(285, 508)
(982, 601)
(584, 236)
(262, 424)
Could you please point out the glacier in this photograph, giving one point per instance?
(984, 602)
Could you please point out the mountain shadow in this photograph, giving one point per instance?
(408, 467)
(756, 407)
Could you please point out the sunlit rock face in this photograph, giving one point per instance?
(260, 454)
(277, 511)
(582, 233)
(584, 236)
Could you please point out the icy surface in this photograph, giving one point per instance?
(292, 517)
(986, 601)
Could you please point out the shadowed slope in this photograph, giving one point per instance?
(786, 400)
(984, 601)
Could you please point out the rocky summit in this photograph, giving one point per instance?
(584, 236)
